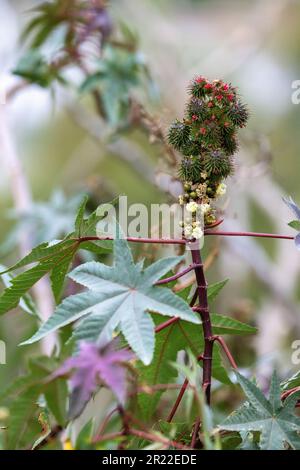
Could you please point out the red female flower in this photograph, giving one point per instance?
(200, 79)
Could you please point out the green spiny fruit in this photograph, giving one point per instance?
(218, 164)
(207, 137)
(197, 109)
(196, 87)
(229, 142)
(239, 114)
(179, 134)
(190, 169)
(192, 148)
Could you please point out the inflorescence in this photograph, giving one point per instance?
(207, 138)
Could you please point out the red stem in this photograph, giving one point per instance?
(248, 234)
(203, 309)
(167, 323)
(162, 241)
(176, 276)
(225, 348)
(178, 400)
(179, 241)
(180, 396)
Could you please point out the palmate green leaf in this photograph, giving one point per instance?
(54, 258)
(41, 253)
(49, 258)
(26, 302)
(120, 297)
(276, 421)
(34, 68)
(223, 325)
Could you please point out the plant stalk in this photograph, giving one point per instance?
(203, 310)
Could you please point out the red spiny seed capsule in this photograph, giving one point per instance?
(208, 86)
(219, 97)
(210, 104)
(230, 97)
(202, 130)
(194, 117)
(200, 79)
(226, 87)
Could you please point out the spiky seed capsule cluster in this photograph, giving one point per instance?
(207, 137)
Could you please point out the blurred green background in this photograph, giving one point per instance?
(253, 44)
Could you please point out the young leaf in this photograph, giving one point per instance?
(120, 297)
(94, 363)
(276, 421)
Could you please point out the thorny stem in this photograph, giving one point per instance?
(178, 400)
(203, 310)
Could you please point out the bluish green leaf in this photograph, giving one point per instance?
(273, 419)
(120, 297)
